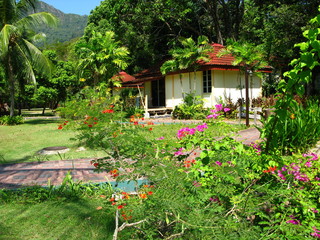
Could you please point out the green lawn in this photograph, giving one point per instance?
(21, 143)
(56, 220)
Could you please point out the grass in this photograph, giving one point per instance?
(21, 143)
(55, 220)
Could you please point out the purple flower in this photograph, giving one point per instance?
(213, 110)
(216, 199)
(226, 109)
(160, 138)
(316, 233)
(293, 220)
(219, 107)
(179, 152)
(308, 164)
(218, 163)
(201, 128)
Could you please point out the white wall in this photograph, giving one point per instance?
(224, 84)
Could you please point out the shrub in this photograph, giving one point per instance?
(7, 120)
(191, 108)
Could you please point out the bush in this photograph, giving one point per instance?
(191, 108)
(7, 120)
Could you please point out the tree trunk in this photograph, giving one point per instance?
(11, 86)
(247, 95)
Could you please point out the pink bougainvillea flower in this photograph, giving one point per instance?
(160, 138)
(308, 164)
(226, 109)
(200, 128)
(179, 152)
(219, 107)
(218, 163)
(293, 220)
(213, 110)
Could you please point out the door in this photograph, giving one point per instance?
(158, 93)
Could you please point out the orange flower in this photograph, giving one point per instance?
(150, 193)
(143, 195)
(111, 199)
(292, 116)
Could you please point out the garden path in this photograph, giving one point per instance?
(39, 173)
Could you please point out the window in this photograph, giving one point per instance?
(207, 83)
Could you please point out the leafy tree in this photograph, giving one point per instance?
(276, 25)
(250, 58)
(101, 57)
(19, 56)
(187, 57)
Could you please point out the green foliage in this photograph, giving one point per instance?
(191, 108)
(101, 57)
(8, 120)
(278, 129)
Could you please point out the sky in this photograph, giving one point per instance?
(81, 7)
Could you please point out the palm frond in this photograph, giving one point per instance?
(7, 32)
(37, 19)
(8, 12)
(38, 60)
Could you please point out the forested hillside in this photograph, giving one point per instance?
(71, 25)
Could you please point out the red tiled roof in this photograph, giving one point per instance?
(124, 77)
(224, 62)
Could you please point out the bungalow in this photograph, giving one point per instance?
(214, 80)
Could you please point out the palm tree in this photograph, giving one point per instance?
(18, 56)
(101, 58)
(187, 57)
(250, 58)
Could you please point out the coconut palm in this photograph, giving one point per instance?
(18, 56)
(101, 58)
(187, 57)
(250, 58)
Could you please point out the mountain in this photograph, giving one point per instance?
(71, 25)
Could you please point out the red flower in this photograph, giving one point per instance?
(135, 123)
(111, 199)
(120, 206)
(96, 164)
(108, 111)
(60, 127)
(150, 129)
(95, 123)
(150, 193)
(270, 169)
(85, 122)
(90, 125)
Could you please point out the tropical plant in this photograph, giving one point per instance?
(288, 112)
(18, 55)
(187, 57)
(101, 57)
(250, 58)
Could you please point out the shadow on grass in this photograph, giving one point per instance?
(28, 158)
(72, 218)
(42, 121)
